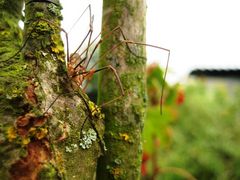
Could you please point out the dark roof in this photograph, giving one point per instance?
(216, 72)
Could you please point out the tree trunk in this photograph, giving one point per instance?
(49, 129)
(125, 116)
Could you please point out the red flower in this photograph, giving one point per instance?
(145, 158)
(180, 97)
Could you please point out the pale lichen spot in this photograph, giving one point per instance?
(88, 138)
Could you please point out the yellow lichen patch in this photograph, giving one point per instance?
(124, 136)
(32, 131)
(42, 132)
(55, 50)
(25, 140)
(59, 162)
(96, 111)
(11, 134)
(57, 46)
(91, 105)
(116, 172)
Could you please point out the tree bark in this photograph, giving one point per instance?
(125, 116)
(10, 70)
(49, 130)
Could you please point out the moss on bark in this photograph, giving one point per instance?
(124, 117)
(43, 117)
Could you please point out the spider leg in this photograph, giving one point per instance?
(91, 121)
(90, 14)
(141, 44)
(166, 68)
(91, 17)
(109, 67)
(66, 33)
(90, 37)
(89, 74)
(104, 36)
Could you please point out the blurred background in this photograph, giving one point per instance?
(197, 136)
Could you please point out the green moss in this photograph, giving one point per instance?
(10, 153)
(11, 8)
(119, 7)
(1, 2)
(10, 41)
(45, 35)
(48, 172)
(55, 10)
(13, 81)
(115, 172)
(131, 79)
(42, 54)
(42, 27)
(39, 14)
(13, 70)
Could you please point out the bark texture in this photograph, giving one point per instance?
(10, 70)
(49, 130)
(125, 116)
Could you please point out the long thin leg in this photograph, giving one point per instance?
(90, 37)
(115, 74)
(66, 33)
(163, 84)
(104, 37)
(107, 35)
(89, 32)
(86, 54)
(109, 67)
(66, 36)
(88, 74)
(166, 68)
(91, 17)
(143, 44)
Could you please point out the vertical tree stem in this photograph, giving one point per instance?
(125, 116)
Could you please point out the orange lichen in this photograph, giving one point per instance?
(40, 121)
(28, 127)
(29, 166)
(24, 120)
(28, 124)
(30, 92)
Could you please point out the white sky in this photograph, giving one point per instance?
(199, 33)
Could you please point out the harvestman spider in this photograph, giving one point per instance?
(77, 66)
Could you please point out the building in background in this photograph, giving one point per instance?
(230, 78)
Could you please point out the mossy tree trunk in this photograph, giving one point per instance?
(48, 129)
(125, 116)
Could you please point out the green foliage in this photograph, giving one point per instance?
(157, 125)
(154, 83)
(205, 134)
